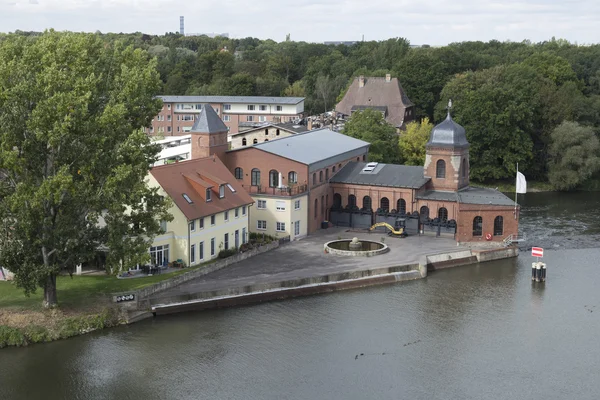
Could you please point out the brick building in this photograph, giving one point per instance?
(179, 112)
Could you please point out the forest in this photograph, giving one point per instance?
(537, 104)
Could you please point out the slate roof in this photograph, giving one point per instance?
(470, 195)
(387, 175)
(232, 99)
(193, 178)
(448, 133)
(438, 195)
(208, 121)
(379, 93)
(311, 147)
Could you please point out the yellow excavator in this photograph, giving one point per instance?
(393, 231)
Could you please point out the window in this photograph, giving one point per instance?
(226, 241)
(221, 191)
(296, 228)
(243, 210)
(424, 212)
(320, 176)
(255, 177)
(226, 213)
(198, 106)
(262, 118)
(237, 213)
(401, 206)
(187, 198)
(261, 225)
(193, 225)
(443, 214)
(193, 253)
(440, 169)
(277, 132)
(249, 118)
(163, 226)
(266, 140)
(273, 178)
(352, 200)
(168, 117)
(151, 129)
(464, 168)
(333, 170)
(262, 107)
(159, 255)
(316, 207)
(314, 178)
(280, 205)
(201, 249)
(327, 174)
(498, 226)
(201, 223)
(226, 118)
(208, 195)
(366, 203)
(168, 106)
(187, 118)
(243, 235)
(297, 205)
(279, 108)
(477, 226)
(217, 110)
(244, 142)
(261, 204)
(250, 107)
(337, 201)
(281, 227)
(212, 220)
(255, 141)
(364, 157)
(168, 129)
(177, 117)
(177, 129)
(226, 107)
(178, 106)
(292, 177)
(384, 204)
(212, 247)
(239, 173)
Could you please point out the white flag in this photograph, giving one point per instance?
(521, 183)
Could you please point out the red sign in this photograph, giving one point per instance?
(537, 252)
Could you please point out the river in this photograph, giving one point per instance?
(475, 332)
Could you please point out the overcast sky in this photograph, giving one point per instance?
(435, 22)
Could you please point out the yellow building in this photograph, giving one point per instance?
(280, 216)
(210, 211)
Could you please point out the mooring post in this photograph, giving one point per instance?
(543, 272)
(538, 271)
(533, 271)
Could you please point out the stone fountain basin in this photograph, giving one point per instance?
(368, 248)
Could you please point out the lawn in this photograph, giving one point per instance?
(77, 292)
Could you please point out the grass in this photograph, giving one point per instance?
(78, 292)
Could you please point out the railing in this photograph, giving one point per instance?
(512, 238)
(276, 191)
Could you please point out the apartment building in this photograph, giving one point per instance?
(179, 112)
(264, 133)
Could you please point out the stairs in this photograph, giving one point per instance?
(511, 239)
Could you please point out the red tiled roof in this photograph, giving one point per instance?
(192, 178)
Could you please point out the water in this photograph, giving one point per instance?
(365, 245)
(476, 332)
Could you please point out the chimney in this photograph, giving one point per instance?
(388, 77)
(361, 81)
(309, 124)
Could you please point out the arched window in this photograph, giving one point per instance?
(320, 176)
(498, 226)
(337, 200)
(366, 203)
(327, 174)
(266, 140)
(244, 142)
(357, 159)
(440, 169)
(384, 204)
(314, 178)
(255, 141)
(401, 206)
(292, 177)
(326, 206)
(255, 181)
(443, 214)
(333, 170)
(322, 206)
(364, 157)
(316, 207)
(351, 200)
(273, 178)
(277, 132)
(477, 226)
(464, 168)
(424, 212)
(239, 173)
(266, 131)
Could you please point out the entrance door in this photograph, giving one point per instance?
(237, 238)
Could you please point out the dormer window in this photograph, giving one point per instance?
(208, 198)
(231, 188)
(221, 191)
(187, 198)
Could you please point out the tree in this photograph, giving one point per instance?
(412, 142)
(370, 126)
(324, 89)
(574, 156)
(73, 158)
(295, 90)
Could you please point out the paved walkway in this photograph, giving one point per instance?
(306, 258)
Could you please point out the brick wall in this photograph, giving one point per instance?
(488, 213)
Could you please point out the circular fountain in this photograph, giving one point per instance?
(355, 248)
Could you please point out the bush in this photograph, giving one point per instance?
(37, 334)
(11, 337)
(228, 252)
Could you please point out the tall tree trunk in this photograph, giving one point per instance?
(50, 299)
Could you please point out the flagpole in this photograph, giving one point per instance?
(516, 190)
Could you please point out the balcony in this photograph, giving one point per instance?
(278, 191)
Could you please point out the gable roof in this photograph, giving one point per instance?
(376, 92)
(208, 121)
(231, 99)
(192, 178)
(314, 147)
(387, 175)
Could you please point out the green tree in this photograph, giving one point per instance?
(574, 156)
(73, 158)
(370, 126)
(412, 142)
(295, 90)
